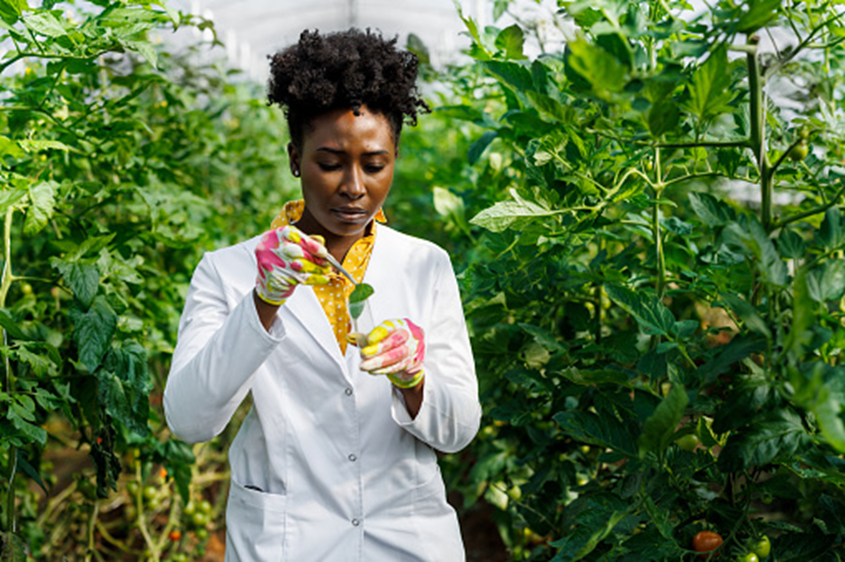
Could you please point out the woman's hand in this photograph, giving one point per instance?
(395, 348)
(286, 258)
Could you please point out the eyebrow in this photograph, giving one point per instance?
(338, 151)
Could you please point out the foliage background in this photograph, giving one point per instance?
(621, 302)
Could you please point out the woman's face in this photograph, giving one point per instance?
(346, 164)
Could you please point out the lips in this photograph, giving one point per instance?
(350, 214)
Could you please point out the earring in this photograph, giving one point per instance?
(295, 172)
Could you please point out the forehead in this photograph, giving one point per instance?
(342, 129)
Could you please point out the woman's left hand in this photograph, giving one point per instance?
(395, 348)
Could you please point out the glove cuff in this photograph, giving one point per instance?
(268, 298)
(404, 382)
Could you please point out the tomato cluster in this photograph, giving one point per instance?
(706, 543)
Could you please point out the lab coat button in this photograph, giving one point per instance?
(348, 391)
(353, 458)
(356, 522)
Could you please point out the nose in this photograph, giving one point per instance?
(353, 183)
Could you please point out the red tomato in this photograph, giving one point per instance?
(706, 542)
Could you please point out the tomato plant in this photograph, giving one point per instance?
(122, 159)
(644, 255)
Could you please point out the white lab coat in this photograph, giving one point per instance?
(328, 465)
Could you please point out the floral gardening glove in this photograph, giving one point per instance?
(286, 258)
(395, 348)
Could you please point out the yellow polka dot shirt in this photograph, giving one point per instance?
(334, 296)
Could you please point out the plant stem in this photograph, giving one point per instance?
(757, 137)
(139, 509)
(4, 289)
(655, 226)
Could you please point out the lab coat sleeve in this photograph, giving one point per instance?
(218, 350)
(450, 413)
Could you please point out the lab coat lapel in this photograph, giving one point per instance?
(378, 274)
(305, 309)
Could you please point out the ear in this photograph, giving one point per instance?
(295, 160)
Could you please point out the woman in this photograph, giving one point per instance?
(336, 459)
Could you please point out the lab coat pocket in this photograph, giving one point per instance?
(255, 525)
(429, 498)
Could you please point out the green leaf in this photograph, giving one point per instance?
(22, 416)
(651, 314)
(803, 316)
(506, 214)
(478, 147)
(511, 40)
(600, 68)
(778, 433)
(107, 463)
(831, 234)
(513, 74)
(684, 329)
(605, 431)
(752, 237)
(828, 409)
(590, 519)
(450, 206)
(145, 49)
(738, 349)
(827, 282)
(759, 13)
(92, 332)
(10, 198)
(358, 299)
(709, 210)
(46, 24)
(124, 387)
(12, 8)
(41, 203)
(663, 116)
(41, 145)
(749, 315)
(660, 426)
(710, 92)
(30, 471)
(83, 279)
(12, 546)
(9, 147)
(791, 245)
(12, 326)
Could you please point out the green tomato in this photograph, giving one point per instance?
(190, 509)
(748, 557)
(200, 519)
(132, 487)
(154, 503)
(688, 442)
(799, 151)
(761, 546)
(205, 506)
(150, 492)
(26, 289)
(202, 534)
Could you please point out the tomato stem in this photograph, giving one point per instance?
(4, 289)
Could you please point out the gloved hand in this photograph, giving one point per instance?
(395, 348)
(286, 258)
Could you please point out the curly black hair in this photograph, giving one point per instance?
(345, 69)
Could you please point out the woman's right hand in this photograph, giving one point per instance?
(286, 258)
